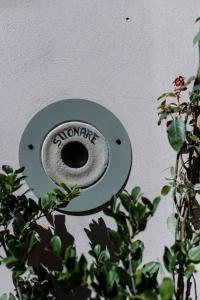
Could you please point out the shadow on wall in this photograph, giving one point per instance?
(97, 234)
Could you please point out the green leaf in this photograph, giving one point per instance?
(63, 275)
(112, 278)
(193, 137)
(151, 269)
(172, 223)
(113, 205)
(194, 254)
(165, 190)
(56, 244)
(190, 269)
(198, 19)
(125, 199)
(70, 252)
(180, 249)
(18, 224)
(166, 289)
(83, 266)
(3, 297)
(115, 238)
(166, 95)
(11, 297)
(16, 248)
(104, 256)
(97, 250)
(137, 249)
(20, 170)
(66, 188)
(148, 203)
(32, 241)
(196, 38)
(135, 193)
(176, 133)
(9, 260)
(47, 202)
(194, 97)
(169, 260)
(156, 202)
(58, 192)
(7, 169)
(146, 295)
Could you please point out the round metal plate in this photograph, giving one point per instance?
(97, 195)
(81, 137)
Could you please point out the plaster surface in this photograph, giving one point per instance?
(121, 54)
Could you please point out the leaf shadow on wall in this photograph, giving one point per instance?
(97, 234)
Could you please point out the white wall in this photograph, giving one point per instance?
(53, 50)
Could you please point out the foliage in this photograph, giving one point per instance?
(126, 276)
(19, 215)
(117, 275)
(183, 130)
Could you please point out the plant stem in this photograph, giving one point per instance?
(180, 283)
(4, 246)
(198, 71)
(180, 235)
(188, 289)
(130, 260)
(175, 183)
(16, 284)
(195, 287)
(19, 292)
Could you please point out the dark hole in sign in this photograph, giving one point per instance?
(118, 141)
(74, 155)
(127, 18)
(30, 147)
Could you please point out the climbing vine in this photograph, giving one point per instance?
(182, 117)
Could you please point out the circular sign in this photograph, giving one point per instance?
(77, 142)
(75, 153)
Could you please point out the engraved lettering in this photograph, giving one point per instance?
(83, 131)
(62, 135)
(89, 134)
(94, 138)
(70, 132)
(55, 141)
(75, 131)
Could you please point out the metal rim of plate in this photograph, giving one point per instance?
(97, 196)
(75, 153)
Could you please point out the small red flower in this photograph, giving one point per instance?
(179, 81)
(179, 86)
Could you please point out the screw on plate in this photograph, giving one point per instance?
(118, 141)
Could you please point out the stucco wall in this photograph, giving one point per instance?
(53, 50)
